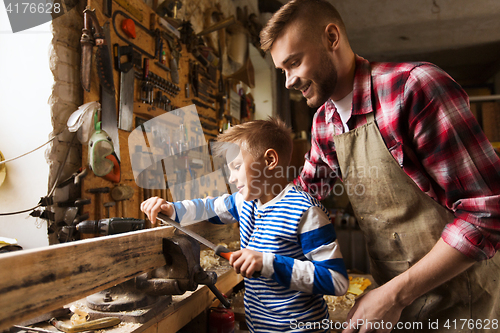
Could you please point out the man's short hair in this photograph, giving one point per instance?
(257, 136)
(314, 14)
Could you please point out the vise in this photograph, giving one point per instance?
(182, 272)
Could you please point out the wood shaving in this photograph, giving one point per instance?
(356, 287)
(339, 303)
(208, 258)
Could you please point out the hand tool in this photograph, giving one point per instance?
(87, 41)
(174, 61)
(108, 105)
(108, 205)
(97, 191)
(219, 249)
(127, 76)
(162, 66)
(128, 27)
(74, 203)
(110, 226)
(88, 326)
(107, 7)
(203, 105)
(137, 25)
(120, 194)
(74, 178)
(170, 29)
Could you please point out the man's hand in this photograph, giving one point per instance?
(378, 308)
(246, 262)
(155, 205)
(388, 301)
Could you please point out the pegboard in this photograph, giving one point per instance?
(207, 105)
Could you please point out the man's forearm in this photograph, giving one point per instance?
(441, 264)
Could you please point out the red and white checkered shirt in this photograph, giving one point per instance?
(426, 123)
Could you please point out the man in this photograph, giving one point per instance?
(429, 207)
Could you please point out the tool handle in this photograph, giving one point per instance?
(226, 254)
(90, 325)
(219, 296)
(145, 69)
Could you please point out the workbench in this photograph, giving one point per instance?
(181, 310)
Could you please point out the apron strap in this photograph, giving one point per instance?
(370, 117)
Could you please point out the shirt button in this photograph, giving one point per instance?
(258, 216)
(394, 235)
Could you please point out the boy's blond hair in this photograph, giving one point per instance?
(257, 136)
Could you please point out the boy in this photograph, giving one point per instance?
(285, 234)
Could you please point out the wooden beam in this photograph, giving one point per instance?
(36, 281)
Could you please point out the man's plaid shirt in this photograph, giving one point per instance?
(426, 123)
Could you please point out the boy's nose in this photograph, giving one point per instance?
(232, 178)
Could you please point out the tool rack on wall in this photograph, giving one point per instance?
(198, 83)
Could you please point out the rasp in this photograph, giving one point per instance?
(218, 249)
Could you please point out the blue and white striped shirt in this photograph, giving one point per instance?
(301, 257)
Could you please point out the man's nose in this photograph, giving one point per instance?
(291, 81)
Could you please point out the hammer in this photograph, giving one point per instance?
(97, 191)
(119, 194)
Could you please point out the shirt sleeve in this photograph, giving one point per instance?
(454, 151)
(221, 210)
(324, 270)
(317, 177)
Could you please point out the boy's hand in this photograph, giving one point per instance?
(246, 262)
(155, 205)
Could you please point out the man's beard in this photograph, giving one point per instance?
(324, 82)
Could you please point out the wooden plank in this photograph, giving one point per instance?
(33, 282)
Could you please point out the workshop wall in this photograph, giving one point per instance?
(28, 181)
(68, 95)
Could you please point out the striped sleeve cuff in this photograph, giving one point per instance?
(267, 265)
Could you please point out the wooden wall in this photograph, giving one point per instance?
(208, 118)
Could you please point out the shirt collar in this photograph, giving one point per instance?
(361, 96)
(330, 109)
(277, 198)
(362, 99)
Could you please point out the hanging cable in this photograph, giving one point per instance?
(31, 151)
(56, 182)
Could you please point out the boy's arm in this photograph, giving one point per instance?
(221, 210)
(324, 272)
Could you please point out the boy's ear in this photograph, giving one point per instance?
(271, 158)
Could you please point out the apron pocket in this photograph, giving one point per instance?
(383, 271)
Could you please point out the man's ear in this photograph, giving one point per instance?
(271, 158)
(332, 33)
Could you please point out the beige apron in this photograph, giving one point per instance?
(401, 224)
